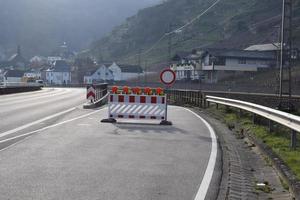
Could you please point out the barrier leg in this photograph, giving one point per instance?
(109, 120)
(166, 123)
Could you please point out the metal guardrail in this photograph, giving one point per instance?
(98, 94)
(100, 91)
(286, 119)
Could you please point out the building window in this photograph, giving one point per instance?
(252, 62)
(242, 61)
(220, 61)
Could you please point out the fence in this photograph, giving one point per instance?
(197, 97)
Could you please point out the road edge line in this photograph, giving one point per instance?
(205, 183)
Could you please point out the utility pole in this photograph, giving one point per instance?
(170, 45)
(139, 57)
(139, 65)
(146, 71)
(285, 87)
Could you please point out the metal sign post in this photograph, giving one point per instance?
(167, 77)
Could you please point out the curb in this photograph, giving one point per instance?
(236, 176)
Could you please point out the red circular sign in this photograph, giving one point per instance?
(168, 76)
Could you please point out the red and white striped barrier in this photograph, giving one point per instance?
(91, 93)
(137, 105)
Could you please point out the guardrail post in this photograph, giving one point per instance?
(240, 113)
(293, 139)
(271, 126)
(217, 106)
(254, 118)
(227, 109)
(193, 98)
(198, 99)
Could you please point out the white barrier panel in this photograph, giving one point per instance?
(138, 104)
(137, 107)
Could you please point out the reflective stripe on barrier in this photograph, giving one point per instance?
(137, 106)
(91, 93)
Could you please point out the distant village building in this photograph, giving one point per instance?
(186, 71)
(187, 66)
(59, 73)
(264, 47)
(211, 65)
(13, 76)
(125, 72)
(33, 73)
(113, 72)
(219, 63)
(99, 75)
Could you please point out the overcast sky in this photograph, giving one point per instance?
(48, 22)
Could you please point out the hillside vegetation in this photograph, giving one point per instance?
(230, 24)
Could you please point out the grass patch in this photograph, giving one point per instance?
(279, 141)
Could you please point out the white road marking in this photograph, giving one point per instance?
(35, 122)
(51, 126)
(83, 125)
(44, 96)
(203, 189)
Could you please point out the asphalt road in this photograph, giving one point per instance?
(23, 108)
(74, 156)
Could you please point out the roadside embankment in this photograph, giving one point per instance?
(275, 145)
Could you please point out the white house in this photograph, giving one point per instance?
(186, 71)
(125, 72)
(101, 74)
(59, 73)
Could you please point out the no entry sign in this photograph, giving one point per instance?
(167, 77)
